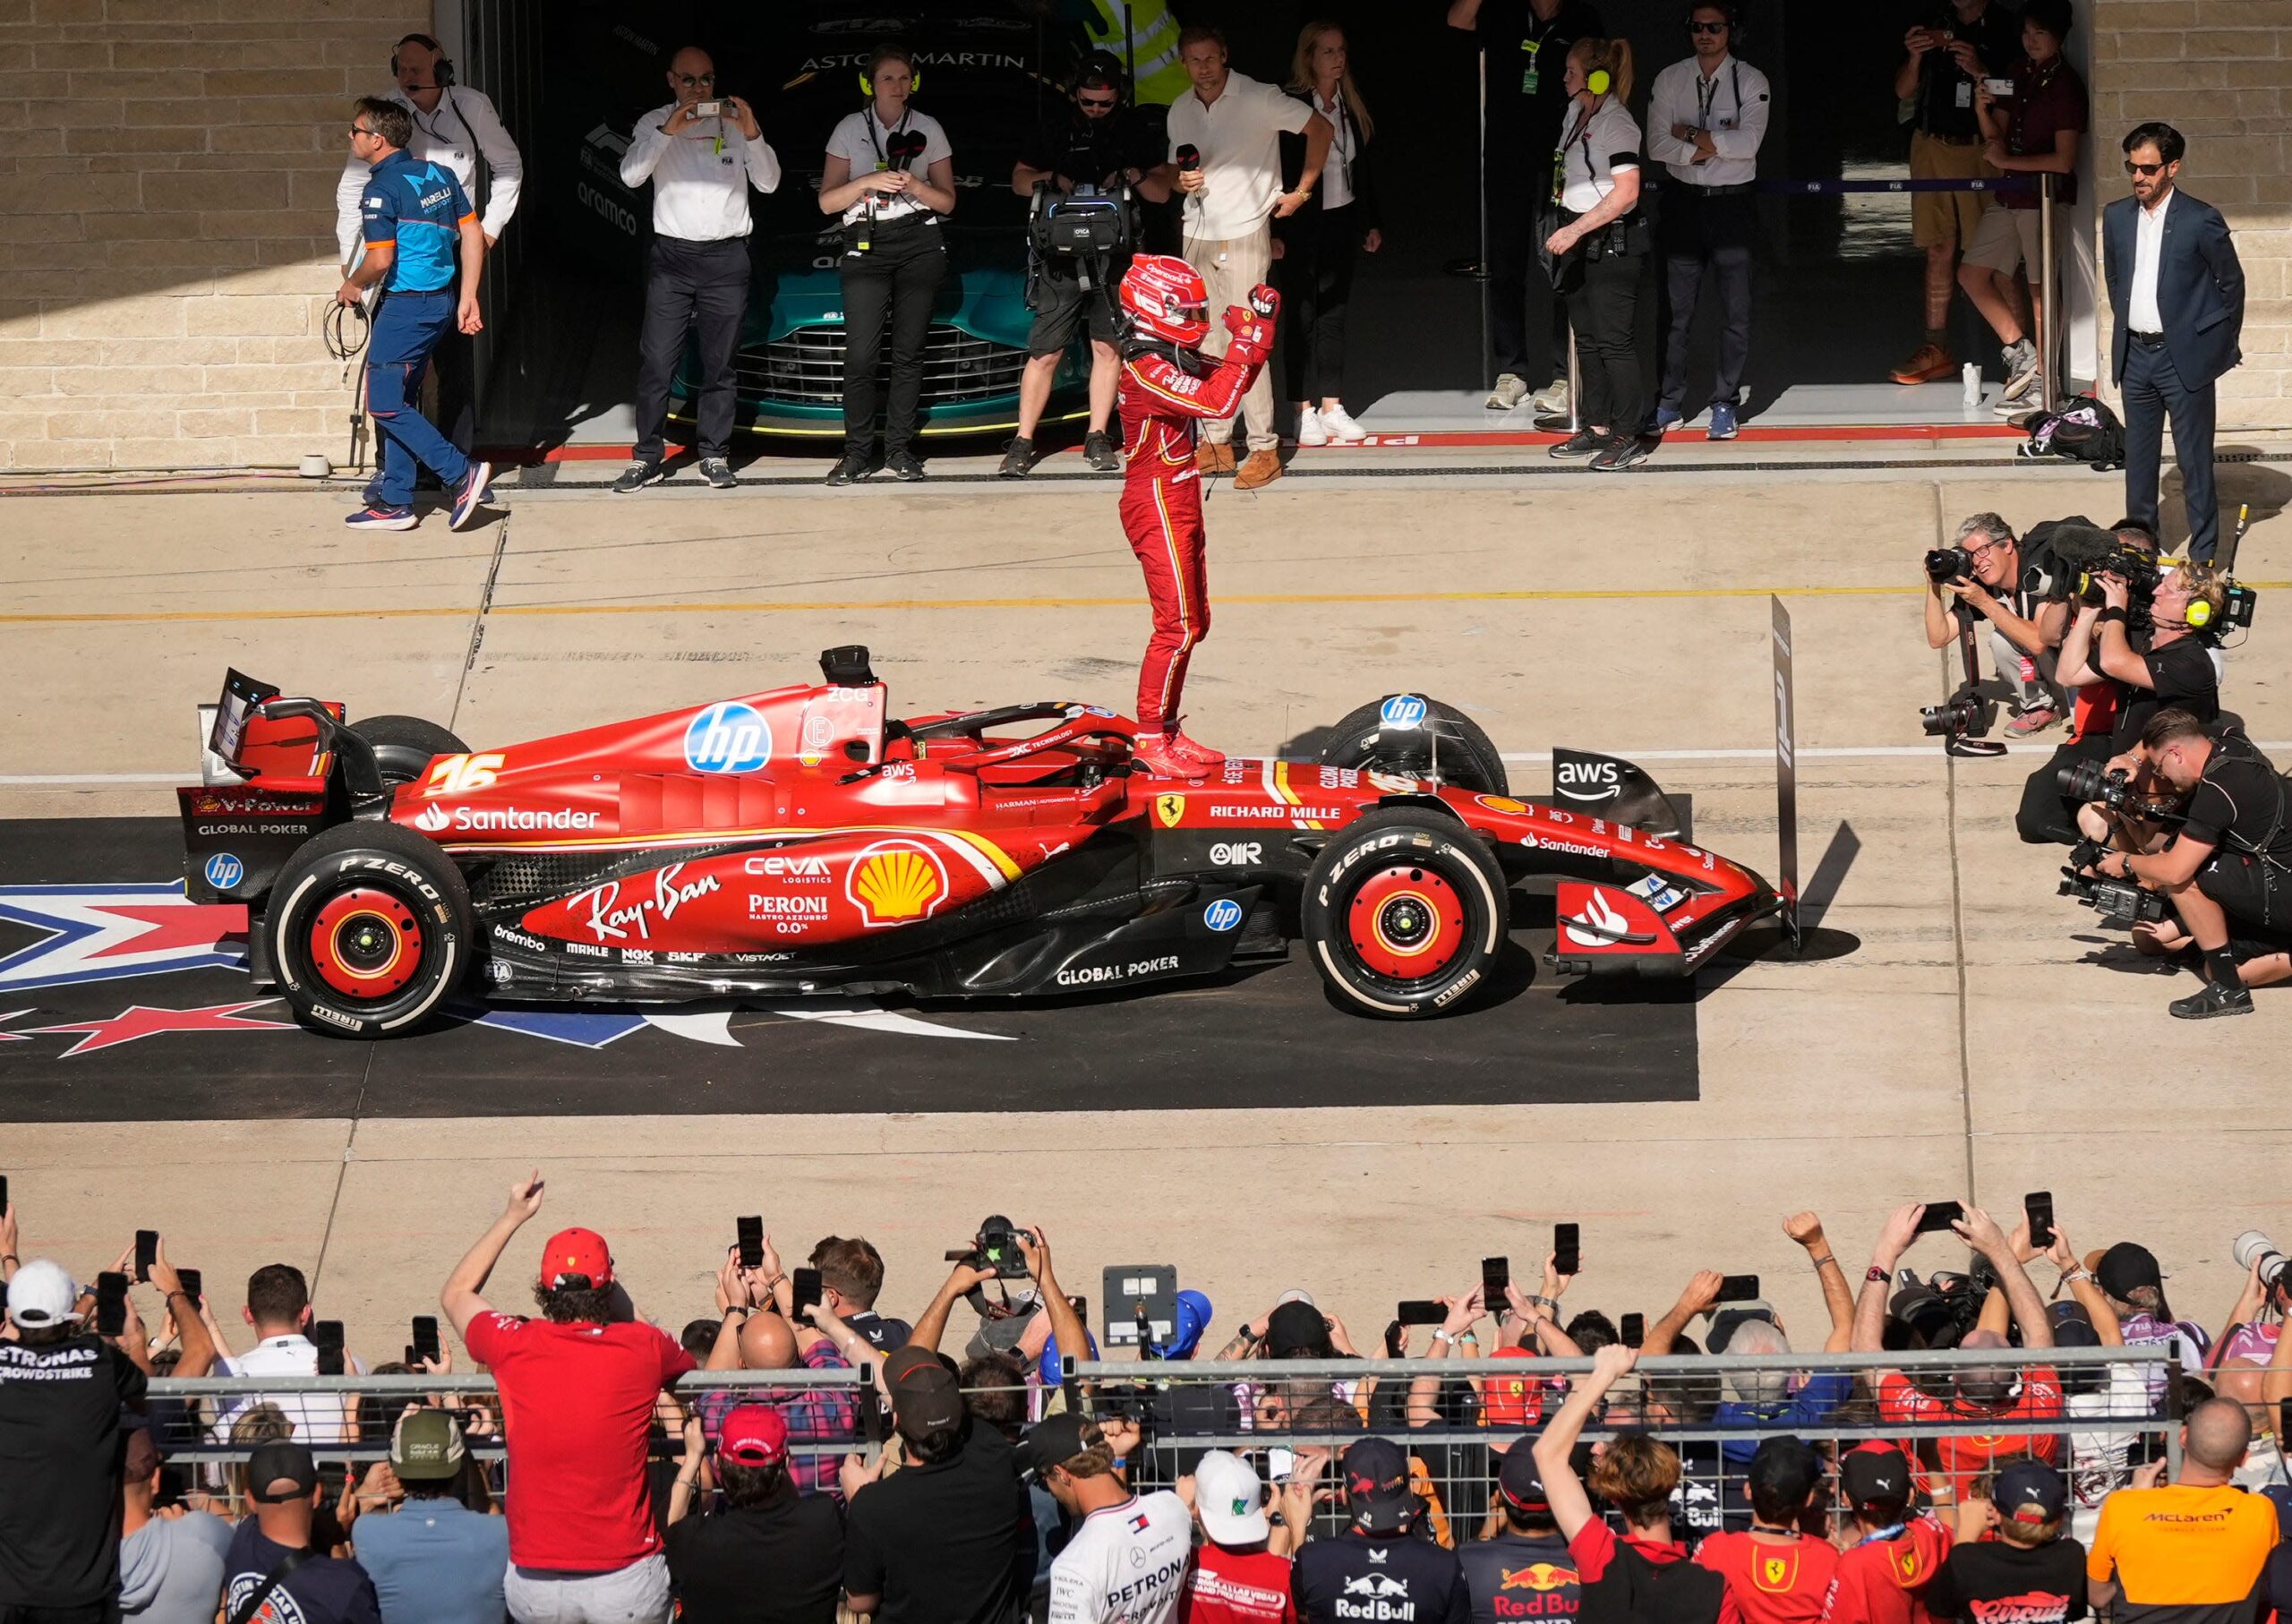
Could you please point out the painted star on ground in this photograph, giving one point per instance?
(141, 1020)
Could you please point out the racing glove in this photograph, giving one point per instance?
(1252, 340)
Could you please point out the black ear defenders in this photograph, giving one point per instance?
(444, 72)
(1728, 9)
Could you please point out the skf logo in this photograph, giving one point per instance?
(892, 882)
(462, 774)
(1169, 809)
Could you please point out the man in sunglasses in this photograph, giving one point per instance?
(1098, 141)
(2179, 293)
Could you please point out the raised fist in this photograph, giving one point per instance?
(1265, 301)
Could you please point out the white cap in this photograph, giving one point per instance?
(42, 1294)
(1306, 1297)
(1230, 1500)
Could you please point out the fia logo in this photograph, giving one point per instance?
(728, 737)
(1402, 710)
(224, 871)
(1222, 915)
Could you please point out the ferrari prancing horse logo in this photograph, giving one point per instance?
(1169, 809)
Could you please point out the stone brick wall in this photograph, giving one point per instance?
(166, 225)
(2220, 72)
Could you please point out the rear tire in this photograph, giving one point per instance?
(369, 930)
(1404, 914)
(405, 746)
(1468, 759)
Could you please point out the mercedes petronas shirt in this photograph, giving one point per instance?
(1124, 1564)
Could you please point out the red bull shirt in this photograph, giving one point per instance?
(1518, 1577)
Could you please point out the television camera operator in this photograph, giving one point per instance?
(1979, 576)
(2231, 861)
(1099, 143)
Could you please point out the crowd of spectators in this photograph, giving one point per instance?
(999, 1486)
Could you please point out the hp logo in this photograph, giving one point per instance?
(728, 737)
(1402, 710)
(224, 871)
(1222, 915)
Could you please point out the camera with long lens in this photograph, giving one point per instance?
(1949, 564)
(2253, 1246)
(2088, 782)
(994, 1247)
(1965, 714)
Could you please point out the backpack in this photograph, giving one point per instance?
(2084, 430)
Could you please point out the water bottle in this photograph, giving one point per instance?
(1972, 374)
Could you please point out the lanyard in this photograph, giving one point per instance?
(445, 104)
(1582, 132)
(1706, 94)
(868, 115)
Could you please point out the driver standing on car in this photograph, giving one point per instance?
(1167, 387)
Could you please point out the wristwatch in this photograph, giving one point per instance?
(1876, 1275)
(1441, 1334)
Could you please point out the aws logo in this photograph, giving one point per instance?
(894, 882)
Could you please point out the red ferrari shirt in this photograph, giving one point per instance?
(576, 1405)
(1964, 1460)
(1772, 1582)
(1884, 1581)
(1247, 1587)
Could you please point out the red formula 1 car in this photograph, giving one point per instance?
(801, 840)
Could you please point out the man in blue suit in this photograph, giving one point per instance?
(2179, 297)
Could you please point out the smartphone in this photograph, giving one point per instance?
(192, 1284)
(1939, 1216)
(1495, 1279)
(425, 1337)
(3, 1192)
(111, 1305)
(1567, 1261)
(2002, 89)
(2037, 1206)
(327, 1336)
(751, 1231)
(716, 109)
(808, 1291)
(1635, 1329)
(1422, 1311)
(1739, 1289)
(146, 1253)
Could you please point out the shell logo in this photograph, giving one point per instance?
(892, 882)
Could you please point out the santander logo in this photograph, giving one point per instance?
(432, 819)
(1599, 925)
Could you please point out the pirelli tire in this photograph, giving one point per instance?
(405, 746)
(369, 930)
(1403, 914)
(1469, 760)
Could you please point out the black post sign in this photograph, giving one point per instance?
(1786, 775)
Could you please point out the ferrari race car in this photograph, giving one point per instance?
(801, 840)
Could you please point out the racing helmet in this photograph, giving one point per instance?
(1164, 295)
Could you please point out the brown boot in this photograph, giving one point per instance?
(1258, 468)
(1214, 457)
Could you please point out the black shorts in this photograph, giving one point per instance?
(1063, 303)
(2254, 895)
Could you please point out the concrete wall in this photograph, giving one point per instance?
(166, 209)
(2220, 72)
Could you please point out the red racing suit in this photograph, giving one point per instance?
(1164, 392)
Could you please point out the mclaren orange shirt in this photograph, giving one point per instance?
(2184, 1555)
(1772, 1582)
(1883, 1581)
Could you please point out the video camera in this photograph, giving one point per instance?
(1088, 223)
(996, 1247)
(2119, 902)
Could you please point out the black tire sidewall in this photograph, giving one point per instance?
(405, 745)
(1343, 865)
(377, 858)
(1359, 740)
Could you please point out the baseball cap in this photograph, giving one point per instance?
(576, 1251)
(1186, 1334)
(1510, 1400)
(1875, 1473)
(2030, 1492)
(1054, 1440)
(2125, 1268)
(42, 1294)
(425, 1446)
(1050, 1366)
(1295, 1328)
(1376, 1484)
(280, 1460)
(1230, 1500)
(1521, 1484)
(1787, 1468)
(926, 1398)
(753, 1435)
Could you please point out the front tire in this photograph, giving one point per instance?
(369, 930)
(1404, 914)
(1469, 760)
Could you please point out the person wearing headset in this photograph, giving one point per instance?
(454, 127)
(891, 174)
(1597, 250)
(1705, 118)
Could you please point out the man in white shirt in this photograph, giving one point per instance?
(1231, 127)
(1126, 1561)
(702, 153)
(454, 126)
(1705, 118)
(279, 1307)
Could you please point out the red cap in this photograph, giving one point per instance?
(572, 1252)
(1511, 1401)
(753, 1435)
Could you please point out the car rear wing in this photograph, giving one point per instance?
(253, 733)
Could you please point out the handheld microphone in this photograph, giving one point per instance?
(1188, 156)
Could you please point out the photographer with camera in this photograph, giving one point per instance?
(1979, 576)
(2232, 858)
(1098, 141)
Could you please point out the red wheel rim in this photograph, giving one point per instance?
(365, 943)
(1406, 922)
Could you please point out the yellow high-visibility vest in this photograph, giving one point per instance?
(1157, 77)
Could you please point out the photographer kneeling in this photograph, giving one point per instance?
(2025, 630)
(2232, 859)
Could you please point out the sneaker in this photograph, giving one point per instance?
(1722, 421)
(1018, 457)
(903, 466)
(1341, 427)
(1258, 468)
(1100, 452)
(1214, 457)
(1153, 752)
(718, 472)
(469, 495)
(1187, 750)
(2218, 998)
(1551, 401)
(1665, 420)
(1927, 363)
(373, 516)
(639, 474)
(1623, 452)
(2027, 405)
(1511, 390)
(1583, 442)
(856, 466)
(1310, 430)
(2021, 371)
(2033, 721)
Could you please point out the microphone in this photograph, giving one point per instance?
(1188, 156)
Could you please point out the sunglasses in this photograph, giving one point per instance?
(689, 81)
(360, 130)
(1706, 27)
(2142, 170)
(1089, 101)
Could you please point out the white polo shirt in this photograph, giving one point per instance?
(1239, 137)
(1594, 152)
(700, 176)
(318, 1417)
(864, 141)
